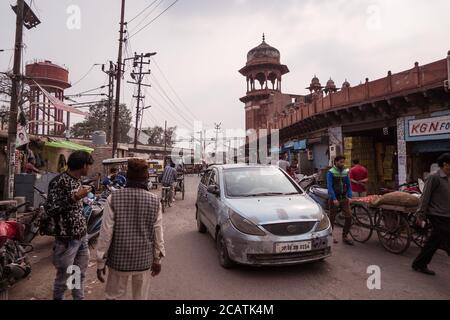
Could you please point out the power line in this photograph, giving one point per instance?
(166, 111)
(172, 106)
(84, 77)
(142, 11)
(151, 21)
(167, 96)
(147, 15)
(173, 90)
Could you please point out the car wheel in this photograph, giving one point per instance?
(224, 258)
(200, 226)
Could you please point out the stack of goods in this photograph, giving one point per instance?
(388, 163)
(398, 198)
(366, 200)
(361, 148)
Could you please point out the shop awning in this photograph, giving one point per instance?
(68, 145)
(288, 145)
(300, 145)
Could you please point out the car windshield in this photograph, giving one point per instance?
(258, 182)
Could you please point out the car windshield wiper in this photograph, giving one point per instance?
(265, 194)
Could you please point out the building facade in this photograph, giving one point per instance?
(396, 126)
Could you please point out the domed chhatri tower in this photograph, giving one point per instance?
(263, 72)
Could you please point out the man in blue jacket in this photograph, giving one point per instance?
(340, 193)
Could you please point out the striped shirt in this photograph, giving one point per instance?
(169, 176)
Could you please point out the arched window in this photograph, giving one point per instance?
(261, 77)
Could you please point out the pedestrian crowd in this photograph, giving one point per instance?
(344, 184)
(131, 242)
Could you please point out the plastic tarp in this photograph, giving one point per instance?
(68, 145)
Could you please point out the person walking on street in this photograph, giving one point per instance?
(435, 204)
(283, 163)
(359, 177)
(64, 220)
(131, 243)
(169, 178)
(340, 194)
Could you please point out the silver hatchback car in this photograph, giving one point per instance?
(259, 216)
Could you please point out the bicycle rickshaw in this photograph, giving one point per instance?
(395, 225)
(180, 184)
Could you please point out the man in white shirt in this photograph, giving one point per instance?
(283, 163)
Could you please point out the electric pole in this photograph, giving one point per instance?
(165, 139)
(139, 77)
(15, 91)
(217, 127)
(109, 118)
(119, 78)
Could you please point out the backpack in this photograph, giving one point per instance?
(47, 224)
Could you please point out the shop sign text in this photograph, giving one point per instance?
(430, 126)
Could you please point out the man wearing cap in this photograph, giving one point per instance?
(131, 241)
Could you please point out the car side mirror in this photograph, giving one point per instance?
(214, 190)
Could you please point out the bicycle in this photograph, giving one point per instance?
(180, 186)
(166, 198)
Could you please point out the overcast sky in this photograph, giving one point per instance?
(201, 45)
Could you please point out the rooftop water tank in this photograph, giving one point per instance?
(99, 138)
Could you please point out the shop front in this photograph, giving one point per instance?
(374, 144)
(427, 137)
(294, 149)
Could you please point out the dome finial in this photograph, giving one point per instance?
(264, 37)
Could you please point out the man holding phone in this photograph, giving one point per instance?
(65, 221)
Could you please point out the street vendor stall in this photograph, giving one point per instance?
(393, 217)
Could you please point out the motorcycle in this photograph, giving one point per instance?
(93, 212)
(14, 264)
(306, 182)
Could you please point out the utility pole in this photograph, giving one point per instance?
(119, 78)
(165, 139)
(217, 128)
(15, 91)
(139, 76)
(109, 118)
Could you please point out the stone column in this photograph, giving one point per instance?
(401, 150)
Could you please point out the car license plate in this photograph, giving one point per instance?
(289, 247)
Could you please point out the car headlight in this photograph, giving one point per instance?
(324, 224)
(244, 225)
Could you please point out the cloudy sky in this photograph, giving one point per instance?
(201, 45)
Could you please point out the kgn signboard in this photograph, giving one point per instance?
(435, 126)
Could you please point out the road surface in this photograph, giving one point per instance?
(191, 270)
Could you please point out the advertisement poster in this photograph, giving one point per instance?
(22, 136)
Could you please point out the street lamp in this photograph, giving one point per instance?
(30, 20)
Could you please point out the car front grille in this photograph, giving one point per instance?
(288, 257)
(290, 229)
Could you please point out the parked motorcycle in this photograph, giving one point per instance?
(14, 264)
(306, 182)
(93, 212)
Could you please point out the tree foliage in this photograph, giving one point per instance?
(97, 121)
(156, 136)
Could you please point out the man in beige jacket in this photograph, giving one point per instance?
(131, 237)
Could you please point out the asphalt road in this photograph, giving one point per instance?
(191, 270)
